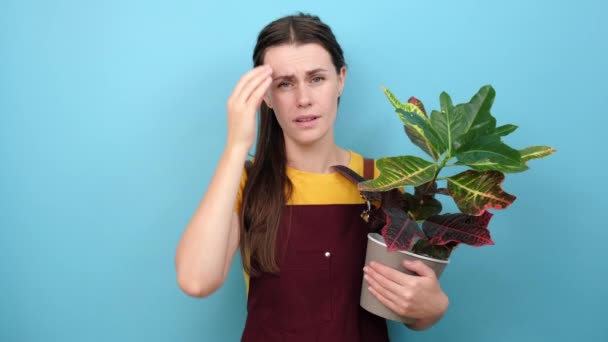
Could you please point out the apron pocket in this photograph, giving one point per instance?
(305, 291)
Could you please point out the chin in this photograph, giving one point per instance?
(308, 139)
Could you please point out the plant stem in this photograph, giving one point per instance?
(444, 163)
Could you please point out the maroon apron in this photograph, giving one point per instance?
(315, 296)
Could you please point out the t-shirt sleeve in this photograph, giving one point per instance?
(376, 170)
(239, 195)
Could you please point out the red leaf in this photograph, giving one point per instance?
(399, 230)
(460, 228)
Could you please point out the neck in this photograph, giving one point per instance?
(317, 158)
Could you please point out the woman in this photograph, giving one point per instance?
(297, 224)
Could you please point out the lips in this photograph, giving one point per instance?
(306, 118)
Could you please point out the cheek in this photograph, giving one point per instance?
(279, 108)
(280, 100)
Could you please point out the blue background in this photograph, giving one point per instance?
(112, 118)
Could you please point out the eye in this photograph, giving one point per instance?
(283, 85)
(317, 79)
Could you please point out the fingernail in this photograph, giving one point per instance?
(365, 269)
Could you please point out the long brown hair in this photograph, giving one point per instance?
(268, 188)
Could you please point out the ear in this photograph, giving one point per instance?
(341, 80)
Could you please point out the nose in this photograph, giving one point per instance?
(304, 96)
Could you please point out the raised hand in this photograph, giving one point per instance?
(243, 104)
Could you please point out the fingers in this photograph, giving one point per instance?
(387, 302)
(392, 288)
(382, 286)
(258, 94)
(390, 273)
(414, 296)
(250, 81)
(419, 268)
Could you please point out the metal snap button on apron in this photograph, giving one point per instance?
(327, 254)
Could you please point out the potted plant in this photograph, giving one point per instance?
(463, 138)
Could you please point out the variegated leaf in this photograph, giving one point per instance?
(418, 104)
(535, 152)
(406, 107)
(419, 140)
(474, 191)
(396, 172)
(421, 133)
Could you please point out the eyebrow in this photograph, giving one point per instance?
(291, 76)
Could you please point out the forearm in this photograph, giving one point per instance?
(203, 249)
(423, 324)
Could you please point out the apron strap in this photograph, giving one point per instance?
(368, 168)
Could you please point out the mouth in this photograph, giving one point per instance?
(306, 118)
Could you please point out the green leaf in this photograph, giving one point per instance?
(504, 130)
(449, 125)
(472, 138)
(421, 133)
(474, 191)
(479, 107)
(535, 152)
(446, 102)
(447, 122)
(476, 116)
(488, 153)
(459, 124)
(396, 172)
(406, 107)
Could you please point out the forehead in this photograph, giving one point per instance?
(293, 59)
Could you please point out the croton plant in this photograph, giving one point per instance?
(457, 137)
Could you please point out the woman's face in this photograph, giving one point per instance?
(304, 92)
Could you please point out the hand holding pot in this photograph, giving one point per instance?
(418, 296)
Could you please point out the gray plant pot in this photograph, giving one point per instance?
(376, 251)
